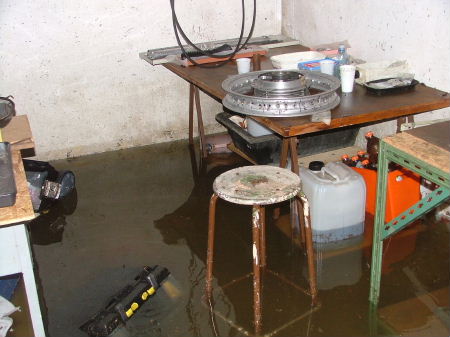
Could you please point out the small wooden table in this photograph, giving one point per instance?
(425, 151)
(16, 256)
(356, 108)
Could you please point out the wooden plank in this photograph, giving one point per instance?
(18, 133)
(421, 149)
(437, 134)
(22, 210)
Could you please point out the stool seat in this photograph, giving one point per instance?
(257, 185)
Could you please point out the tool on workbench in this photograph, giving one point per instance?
(122, 306)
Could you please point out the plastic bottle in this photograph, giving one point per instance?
(367, 165)
(345, 159)
(373, 144)
(362, 155)
(355, 162)
(341, 59)
(372, 148)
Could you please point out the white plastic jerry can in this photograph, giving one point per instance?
(337, 198)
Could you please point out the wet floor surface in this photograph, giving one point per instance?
(149, 206)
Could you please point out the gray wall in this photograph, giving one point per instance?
(415, 30)
(73, 68)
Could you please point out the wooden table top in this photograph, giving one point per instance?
(18, 133)
(358, 107)
(437, 134)
(430, 143)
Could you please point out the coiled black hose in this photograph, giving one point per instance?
(178, 30)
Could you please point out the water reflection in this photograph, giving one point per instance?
(338, 263)
(140, 206)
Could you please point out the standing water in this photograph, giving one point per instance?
(149, 205)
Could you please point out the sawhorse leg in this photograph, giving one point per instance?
(194, 98)
(289, 146)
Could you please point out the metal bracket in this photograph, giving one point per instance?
(423, 206)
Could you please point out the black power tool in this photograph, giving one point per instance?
(121, 307)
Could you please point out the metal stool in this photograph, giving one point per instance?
(258, 186)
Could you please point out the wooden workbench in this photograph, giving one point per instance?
(15, 253)
(356, 108)
(18, 133)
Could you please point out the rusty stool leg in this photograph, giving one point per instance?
(262, 236)
(210, 252)
(256, 225)
(309, 250)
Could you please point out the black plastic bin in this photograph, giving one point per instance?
(261, 149)
(265, 149)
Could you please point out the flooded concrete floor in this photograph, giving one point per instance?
(148, 206)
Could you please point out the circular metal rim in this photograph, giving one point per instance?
(329, 96)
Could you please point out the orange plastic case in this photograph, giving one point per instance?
(403, 191)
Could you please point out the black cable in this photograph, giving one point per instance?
(177, 29)
(204, 52)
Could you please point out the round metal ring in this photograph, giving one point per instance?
(240, 98)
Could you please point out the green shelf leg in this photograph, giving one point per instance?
(377, 248)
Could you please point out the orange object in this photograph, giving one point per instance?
(403, 191)
(369, 134)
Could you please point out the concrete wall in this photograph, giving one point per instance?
(415, 30)
(73, 68)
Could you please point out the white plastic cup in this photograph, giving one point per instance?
(347, 72)
(327, 67)
(243, 65)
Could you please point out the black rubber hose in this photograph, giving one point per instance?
(203, 52)
(177, 28)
